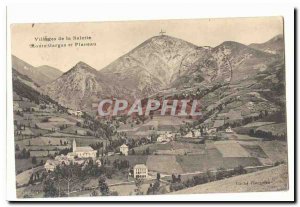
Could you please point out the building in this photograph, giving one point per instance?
(99, 163)
(64, 159)
(82, 152)
(81, 132)
(166, 137)
(75, 113)
(193, 134)
(75, 157)
(140, 171)
(50, 165)
(228, 130)
(212, 131)
(124, 149)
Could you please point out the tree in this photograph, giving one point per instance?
(138, 184)
(103, 187)
(173, 178)
(70, 174)
(156, 187)
(33, 160)
(179, 178)
(147, 151)
(158, 176)
(50, 189)
(239, 170)
(30, 179)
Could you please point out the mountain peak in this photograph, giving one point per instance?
(276, 38)
(273, 46)
(82, 66)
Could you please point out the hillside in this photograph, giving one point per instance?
(272, 179)
(273, 46)
(40, 75)
(50, 72)
(25, 88)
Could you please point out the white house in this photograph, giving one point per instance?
(166, 137)
(82, 152)
(228, 130)
(81, 132)
(98, 162)
(75, 113)
(212, 131)
(78, 113)
(193, 134)
(64, 159)
(50, 165)
(124, 149)
(140, 171)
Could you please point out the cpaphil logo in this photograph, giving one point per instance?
(117, 107)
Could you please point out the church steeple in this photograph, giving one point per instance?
(74, 145)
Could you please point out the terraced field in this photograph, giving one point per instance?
(213, 160)
(164, 163)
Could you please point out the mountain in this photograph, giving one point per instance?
(244, 61)
(273, 46)
(159, 56)
(159, 63)
(76, 87)
(152, 66)
(24, 87)
(51, 72)
(16, 76)
(40, 75)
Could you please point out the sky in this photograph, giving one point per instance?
(114, 39)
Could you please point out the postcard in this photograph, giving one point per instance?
(152, 107)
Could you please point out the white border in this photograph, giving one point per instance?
(70, 12)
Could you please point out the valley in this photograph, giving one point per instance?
(59, 135)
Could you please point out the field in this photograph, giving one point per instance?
(272, 179)
(172, 147)
(275, 150)
(164, 164)
(257, 124)
(24, 177)
(213, 160)
(25, 164)
(255, 151)
(275, 129)
(133, 159)
(231, 149)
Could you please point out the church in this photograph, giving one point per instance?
(82, 152)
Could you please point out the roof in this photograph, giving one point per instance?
(124, 145)
(84, 149)
(140, 166)
(51, 162)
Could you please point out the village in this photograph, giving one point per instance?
(156, 155)
(194, 117)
